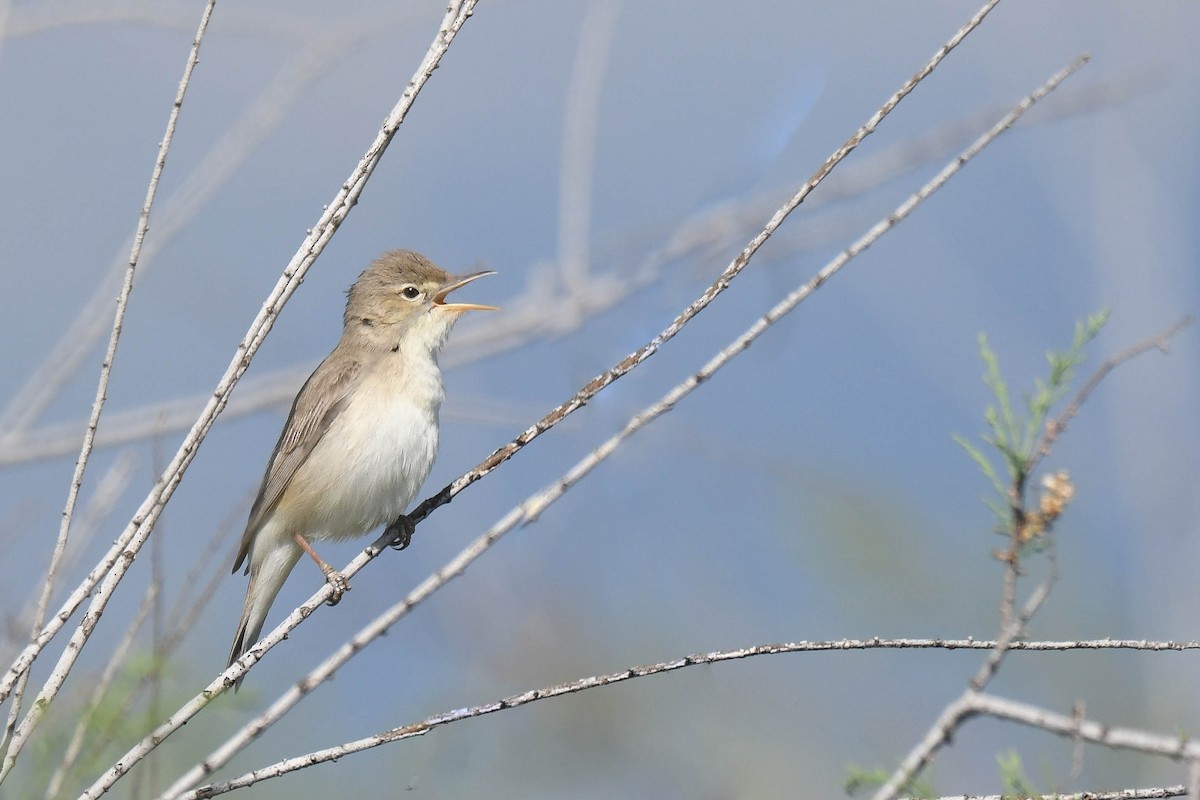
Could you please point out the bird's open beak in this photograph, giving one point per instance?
(439, 299)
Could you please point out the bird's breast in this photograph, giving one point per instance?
(377, 453)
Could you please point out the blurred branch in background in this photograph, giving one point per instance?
(580, 124)
(549, 307)
(95, 514)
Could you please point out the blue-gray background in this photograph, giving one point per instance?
(810, 491)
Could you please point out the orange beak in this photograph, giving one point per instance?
(456, 282)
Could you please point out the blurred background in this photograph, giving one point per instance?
(608, 160)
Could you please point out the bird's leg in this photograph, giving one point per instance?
(401, 532)
(332, 576)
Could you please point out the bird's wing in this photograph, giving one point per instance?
(320, 400)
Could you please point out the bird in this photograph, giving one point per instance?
(361, 435)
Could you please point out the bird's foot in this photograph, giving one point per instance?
(337, 582)
(334, 578)
(401, 532)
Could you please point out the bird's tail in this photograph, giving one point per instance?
(266, 579)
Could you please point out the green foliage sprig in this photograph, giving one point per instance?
(1017, 435)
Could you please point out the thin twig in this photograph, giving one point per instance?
(1121, 794)
(1069, 726)
(1008, 588)
(108, 491)
(1055, 427)
(580, 121)
(1078, 713)
(21, 733)
(151, 678)
(583, 684)
(1009, 633)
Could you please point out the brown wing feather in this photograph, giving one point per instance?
(318, 403)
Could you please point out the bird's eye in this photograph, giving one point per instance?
(411, 292)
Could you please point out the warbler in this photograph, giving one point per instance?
(362, 432)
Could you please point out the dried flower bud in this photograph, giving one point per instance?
(1057, 491)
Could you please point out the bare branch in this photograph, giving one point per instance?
(583, 684)
(1013, 628)
(1121, 794)
(1068, 725)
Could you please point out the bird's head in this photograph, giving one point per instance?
(402, 298)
